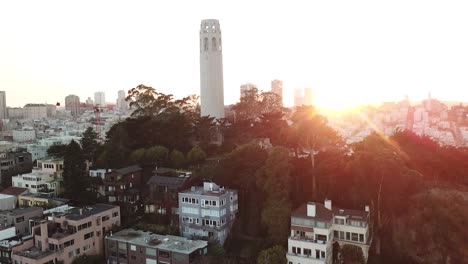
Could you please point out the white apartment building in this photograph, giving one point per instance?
(316, 227)
(37, 182)
(47, 179)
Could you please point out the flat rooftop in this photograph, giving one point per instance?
(22, 210)
(34, 253)
(74, 214)
(208, 188)
(148, 239)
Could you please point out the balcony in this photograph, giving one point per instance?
(308, 239)
(310, 258)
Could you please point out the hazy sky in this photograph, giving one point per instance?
(349, 52)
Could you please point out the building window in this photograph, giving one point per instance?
(339, 221)
(164, 254)
(150, 252)
(20, 219)
(354, 237)
(307, 252)
(348, 236)
(322, 254)
(361, 237)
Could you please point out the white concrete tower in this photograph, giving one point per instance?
(211, 69)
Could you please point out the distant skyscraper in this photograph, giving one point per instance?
(100, 99)
(308, 97)
(121, 103)
(89, 101)
(72, 104)
(298, 98)
(211, 69)
(277, 88)
(3, 109)
(247, 87)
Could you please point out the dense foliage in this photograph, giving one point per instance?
(304, 160)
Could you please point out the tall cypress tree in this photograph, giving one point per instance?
(89, 143)
(74, 171)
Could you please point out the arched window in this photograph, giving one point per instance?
(205, 44)
(213, 44)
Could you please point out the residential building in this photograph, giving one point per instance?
(14, 162)
(211, 69)
(15, 112)
(164, 188)
(247, 87)
(35, 111)
(3, 108)
(42, 200)
(38, 181)
(207, 211)
(24, 135)
(277, 88)
(123, 185)
(13, 244)
(72, 104)
(316, 227)
(100, 99)
(64, 236)
(19, 218)
(135, 246)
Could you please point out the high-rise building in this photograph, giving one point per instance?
(308, 96)
(298, 98)
(211, 69)
(277, 88)
(89, 101)
(100, 99)
(3, 109)
(72, 104)
(121, 103)
(247, 87)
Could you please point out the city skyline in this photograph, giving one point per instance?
(364, 52)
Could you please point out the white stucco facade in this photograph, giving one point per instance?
(211, 69)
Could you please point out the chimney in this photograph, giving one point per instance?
(311, 209)
(81, 211)
(367, 208)
(328, 204)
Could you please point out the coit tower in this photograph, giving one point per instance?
(211, 69)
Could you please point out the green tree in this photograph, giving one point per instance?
(196, 156)
(74, 171)
(57, 151)
(238, 169)
(351, 254)
(157, 154)
(273, 255)
(274, 178)
(89, 143)
(177, 159)
(138, 156)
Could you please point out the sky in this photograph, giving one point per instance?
(349, 52)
